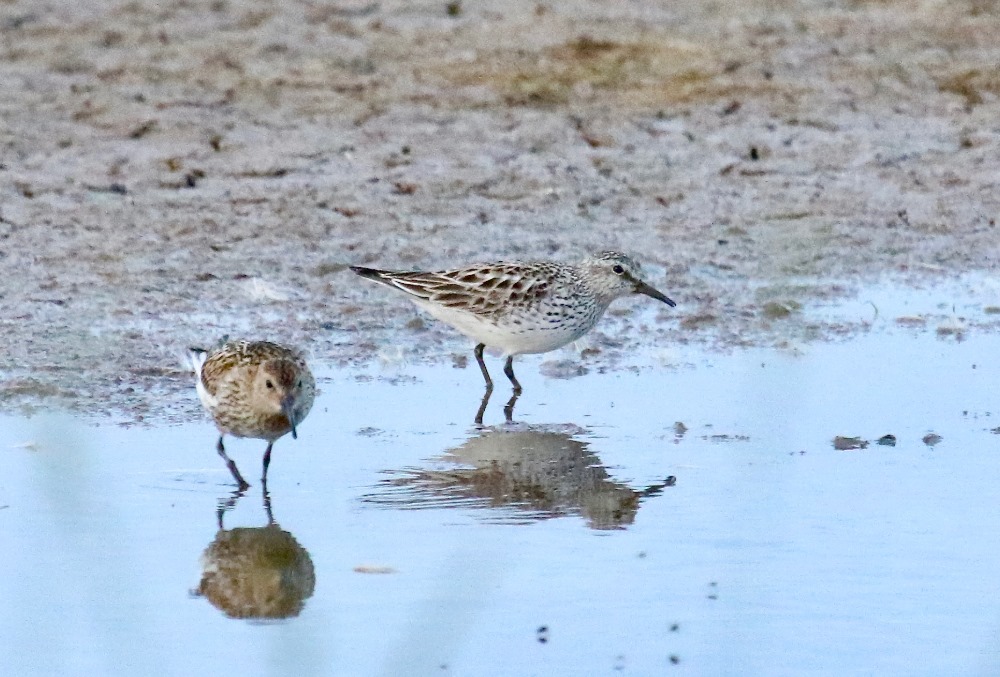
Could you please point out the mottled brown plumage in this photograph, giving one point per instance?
(487, 291)
(254, 389)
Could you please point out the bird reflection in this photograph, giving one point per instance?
(508, 409)
(256, 572)
(540, 471)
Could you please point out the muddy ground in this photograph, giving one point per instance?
(174, 172)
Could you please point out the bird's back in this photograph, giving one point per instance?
(486, 289)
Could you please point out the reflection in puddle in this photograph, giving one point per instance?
(541, 471)
(256, 572)
(508, 409)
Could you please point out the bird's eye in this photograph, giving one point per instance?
(299, 384)
(618, 269)
(269, 384)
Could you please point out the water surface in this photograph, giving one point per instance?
(689, 515)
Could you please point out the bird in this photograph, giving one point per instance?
(521, 307)
(255, 389)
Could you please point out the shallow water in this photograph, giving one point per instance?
(693, 518)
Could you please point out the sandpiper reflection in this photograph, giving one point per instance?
(256, 572)
(508, 409)
(540, 471)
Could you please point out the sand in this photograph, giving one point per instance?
(173, 173)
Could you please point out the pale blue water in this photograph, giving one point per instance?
(773, 554)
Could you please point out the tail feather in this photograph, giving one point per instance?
(197, 357)
(386, 277)
(421, 285)
(370, 273)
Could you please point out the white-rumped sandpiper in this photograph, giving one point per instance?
(521, 307)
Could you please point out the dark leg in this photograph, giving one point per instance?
(489, 384)
(655, 489)
(267, 501)
(508, 409)
(228, 505)
(508, 369)
(482, 405)
(482, 365)
(267, 460)
(243, 484)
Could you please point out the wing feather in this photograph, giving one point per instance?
(482, 290)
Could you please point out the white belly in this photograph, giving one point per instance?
(509, 337)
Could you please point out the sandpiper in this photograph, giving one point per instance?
(253, 389)
(521, 307)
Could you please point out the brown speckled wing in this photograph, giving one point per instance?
(483, 290)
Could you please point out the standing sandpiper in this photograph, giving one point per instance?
(253, 389)
(520, 307)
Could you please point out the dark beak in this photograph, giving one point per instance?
(643, 288)
(288, 409)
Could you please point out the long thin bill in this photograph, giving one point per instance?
(288, 409)
(643, 288)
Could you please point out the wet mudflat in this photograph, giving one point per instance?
(671, 496)
(689, 513)
(173, 173)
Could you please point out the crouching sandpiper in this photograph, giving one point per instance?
(521, 307)
(253, 389)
